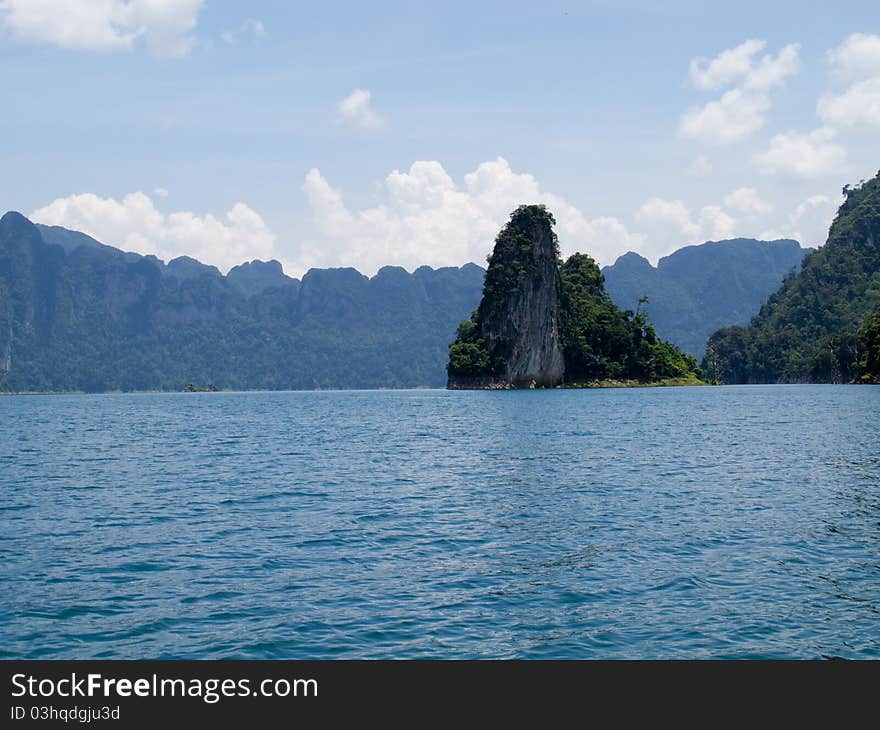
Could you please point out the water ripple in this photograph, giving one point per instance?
(681, 522)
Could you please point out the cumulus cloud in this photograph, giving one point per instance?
(740, 111)
(858, 106)
(747, 201)
(808, 223)
(857, 58)
(857, 61)
(670, 224)
(135, 224)
(356, 111)
(716, 224)
(805, 155)
(428, 218)
(728, 66)
(673, 214)
(165, 26)
(732, 117)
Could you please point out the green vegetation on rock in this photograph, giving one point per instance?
(818, 326)
(870, 363)
(468, 354)
(598, 340)
(603, 342)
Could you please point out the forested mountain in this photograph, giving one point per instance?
(870, 363)
(543, 321)
(697, 289)
(78, 315)
(822, 324)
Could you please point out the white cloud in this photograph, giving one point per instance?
(732, 117)
(670, 224)
(160, 192)
(134, 224)
(747, 201)
(715, 224)
(356, 111)
(672, 213)
(250, 27)
(741, 110)
(857, 58)
(808, 223)
(858, 106)
(857, 61)
(805, 155)
(738, 65)
(427, 218)
(728, 66)
(772, 71)
(98, 25)
(700, 167)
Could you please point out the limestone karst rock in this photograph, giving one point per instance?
(543, 322)
(519, 313)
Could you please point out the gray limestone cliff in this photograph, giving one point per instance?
(513, 339)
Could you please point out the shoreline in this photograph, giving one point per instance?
(665, 383)
(598, 384)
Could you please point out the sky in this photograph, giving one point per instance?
(404, 133)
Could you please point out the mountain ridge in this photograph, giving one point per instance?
(94, 318)
(699, 288)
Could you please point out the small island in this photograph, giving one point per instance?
(544, 322)
(192, 388)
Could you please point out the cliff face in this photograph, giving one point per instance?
(518, 319)
(525, 328)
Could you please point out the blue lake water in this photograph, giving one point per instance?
(656, 523)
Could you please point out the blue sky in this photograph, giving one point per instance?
(353, 134)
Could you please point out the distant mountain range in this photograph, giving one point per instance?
(697, 289)
(76, 314)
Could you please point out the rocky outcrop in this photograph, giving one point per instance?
(517, 322)
(256, 276)
(542, 322)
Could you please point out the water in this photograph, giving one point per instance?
(665, 522)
